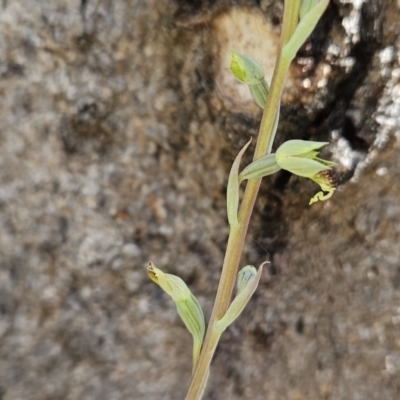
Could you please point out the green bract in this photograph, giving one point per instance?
(306, 6)
(187, 305)
(232, 190)
(261, 167)
(259, 93)
(305, 27)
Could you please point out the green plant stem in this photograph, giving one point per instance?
(289, 22)
(238, 233)
(267, 132)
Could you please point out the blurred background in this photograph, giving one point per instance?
(119, 122)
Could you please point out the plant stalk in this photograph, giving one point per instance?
(238, 233)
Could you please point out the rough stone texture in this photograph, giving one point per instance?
(118, 126)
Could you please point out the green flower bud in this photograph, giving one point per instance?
(248, 279)
(188, 307)
(245, 275)
(246, 69)
(300, 158)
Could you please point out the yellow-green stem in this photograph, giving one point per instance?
(237, 234)
(290, 20)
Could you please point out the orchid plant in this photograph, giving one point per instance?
(296, 156)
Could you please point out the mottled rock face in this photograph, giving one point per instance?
(118, 126)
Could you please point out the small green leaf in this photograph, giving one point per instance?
(263, 166)
(188, 307)
(248, 279)
(246, 69)
(232, 192)
(304, 29)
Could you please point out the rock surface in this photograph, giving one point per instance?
(118, 126)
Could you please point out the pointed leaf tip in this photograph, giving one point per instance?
(232, 192)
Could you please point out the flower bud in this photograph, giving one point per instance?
(171, 284)
(246, 274)
(248, 279)
(188, 307)
(246, 69)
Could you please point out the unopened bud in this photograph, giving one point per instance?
(248, 279)
(188, 307)
(246, 69)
